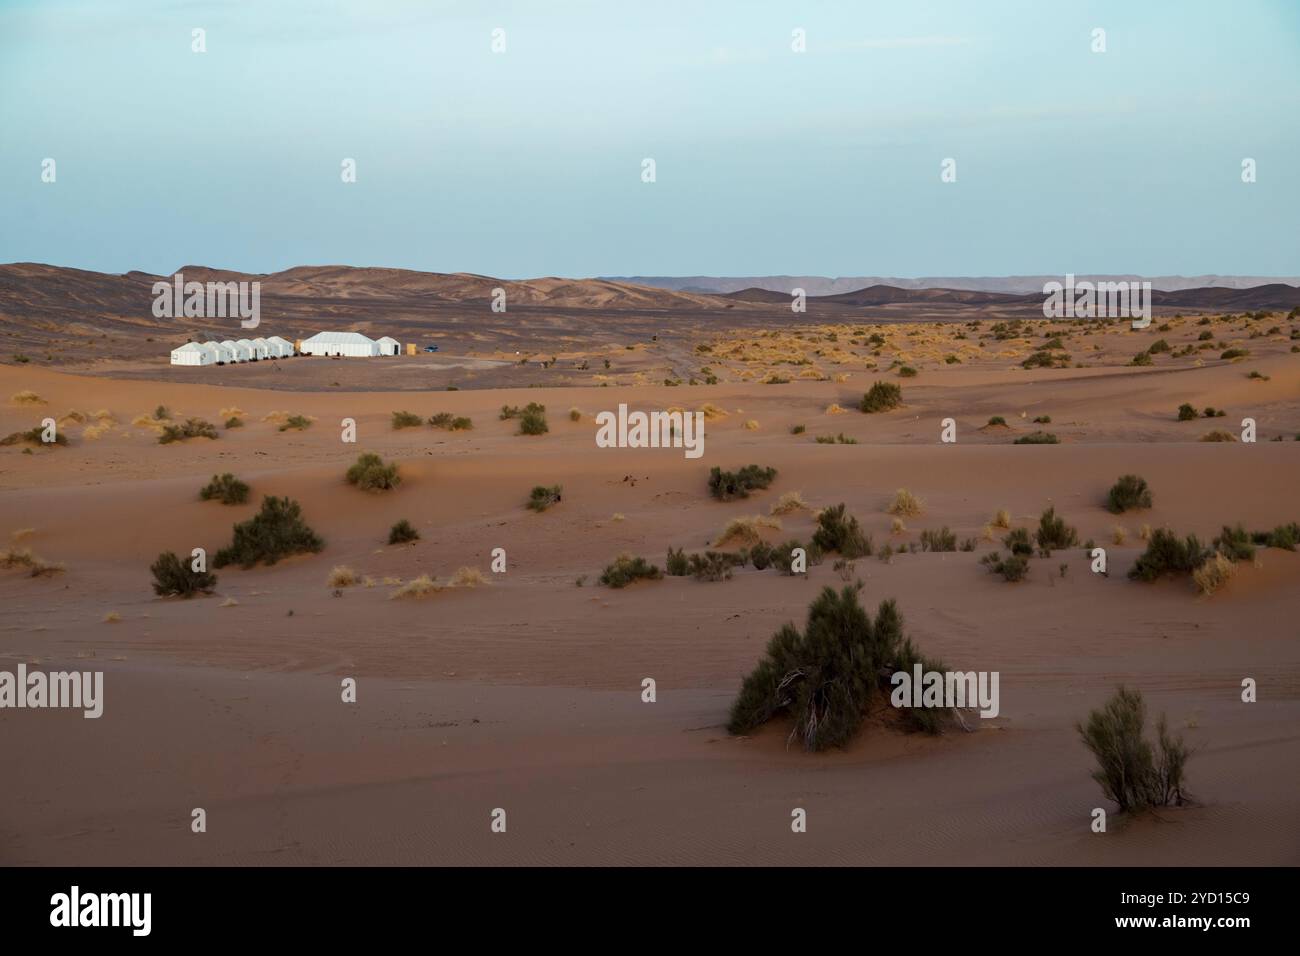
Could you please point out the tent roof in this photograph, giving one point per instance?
(389, 338)
(189, 347)
(339, 338)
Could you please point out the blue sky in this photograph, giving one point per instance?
(528, 162)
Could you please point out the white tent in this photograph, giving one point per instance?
(223, 354)
(238, 350)
(340, 343)
(254, 350)
(268, 350)
(281, 348)
(389, 346)
(192, 353)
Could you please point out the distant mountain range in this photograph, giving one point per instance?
(1016, 285)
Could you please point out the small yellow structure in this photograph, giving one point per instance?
(410, 348)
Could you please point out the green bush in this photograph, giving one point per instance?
(711, 566)
(941, 540)
(676, 565)
(1017, 542)
(1235, 544)
(403, 533)
(1166, 554)
(1234, 353)
(997, 420)
(1285, 536)
(533, 420)
(296, 422)
(1142, 358)
(226, 488)
(826, 676)
(1013, 567)
(275, 532)
(193, 428)
(761, 555)
(1053, 533)
(171, 575)
(726, 485)
(371, 474)
(839, 531)
(881, 397)
(543, 496)
(1130, 771)
(1037, 438)
(1186, 412)
(234, 421)
(1043, 420)
(1130, 492)
(406, 420)
(625, 569)
(797, 429)
(907, 371)
(1159, 345)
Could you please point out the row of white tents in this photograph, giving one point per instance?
(230, 351)
(352, 344)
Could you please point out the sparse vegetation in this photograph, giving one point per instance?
(881, 397)
(1129, 493)
(533, 420)
(403, 533)
(275, 532)
(1218, 435)
(627, 569)
(172, 576)
(905, 504)
(1130, 771)
(193, 428)
(1213, 573)
(1167, 554)
(296, 423)
(941, 540)
(543, 496)
(341, 576)
(22, 559)
(726, 485)
(676, 564)
(449, 422)
(33, 436)
(406, 420)
(225, 488)
(826, 676)
(370, 473)
(788, 503)
(1014, 567)
(1053, 533)
(839, 531)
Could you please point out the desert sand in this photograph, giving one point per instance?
(524, 693)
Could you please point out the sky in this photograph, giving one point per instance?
(529, 161)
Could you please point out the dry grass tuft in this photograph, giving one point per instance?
(112, 617)
(341, 576)
(618, 516)
(1002, 519)
(905, 504)
(22, 559)
(833, 409)
(896, 526)
(747, 530)
(1118, 534)
(1214, 573)
(712, 412)
(27, 397)
(789, 503)
(229, 602)
(22, 534)
(751, 425)
(423, 586)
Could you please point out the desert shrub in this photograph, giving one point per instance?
(543, 496)
(825, 676)
(1234, 353)
(1214, 572)
(881, 397)
(296, 423)
(1235, 544)
(22, 559)
(997, 420)
(789, 501)
(1037, 438)
(797, 429)
(1218, 435)
(451, 423)
(840, 439)
(33, 437)
(760, 555)
(1043, 420)
(1039, 359)
(406, 420)
(726, 485)
(1159, 345)
(27, 397)
(171, 576)
(968, 545)
(906, 371)
(275, 532)
(533, 420)
(193, 428)
(403, 533)
(839, 531)
(226, 488)
(783, 556)
(1212, 412)
(162, 414)
(1167, 554)
(1013, 567)
(711, 566)
(1018, 543)
(1002, 519)
(905, 504)
(1284, 536)
(1142, 358)
(1053, 533)
(369, 473)
(746, 529)
(626, 569)
(1129, 493)
(941, 540)
(1130, 772)
(234, 421)
(341, 576)
(1186, 412)
(676, 565)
